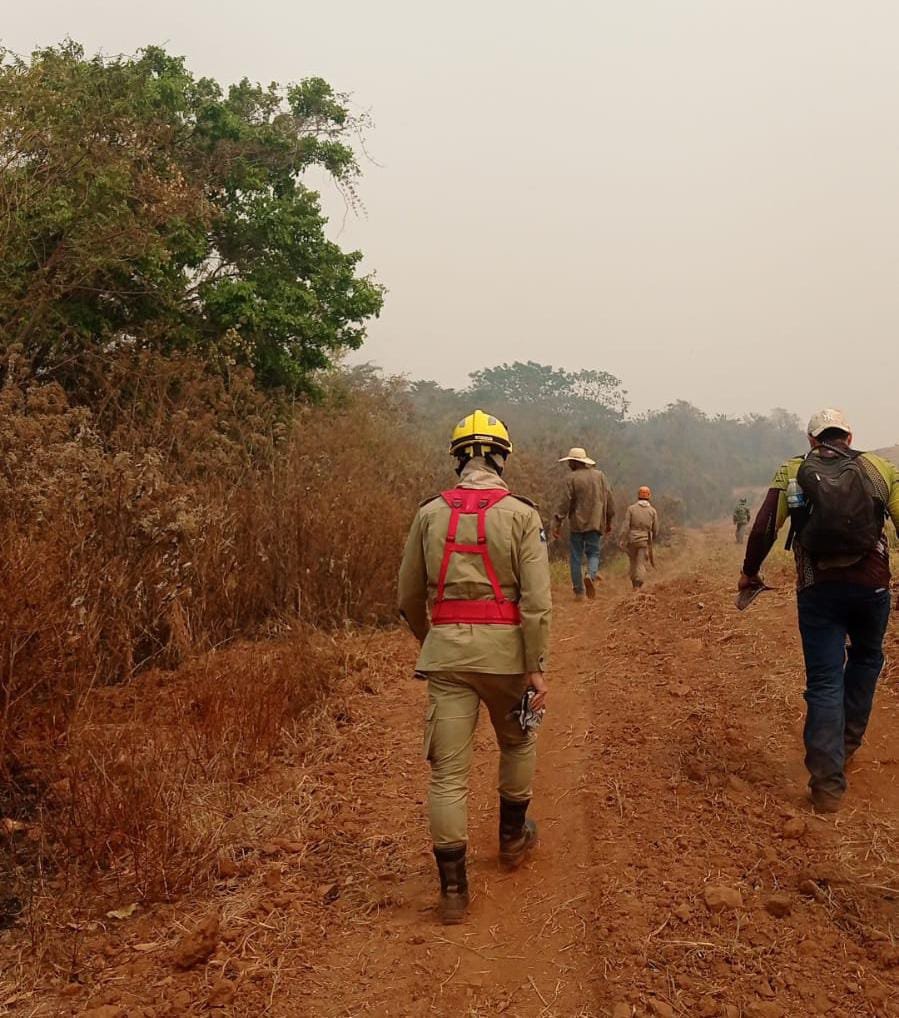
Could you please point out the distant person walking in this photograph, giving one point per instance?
(639, 534)
(837, 500)
(588, 507)
(741, 519)
(474, 587)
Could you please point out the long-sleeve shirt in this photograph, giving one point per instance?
(516, 544)
(641, 523)
(872, 570)
(587, 503)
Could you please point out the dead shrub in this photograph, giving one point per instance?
(185, 510)
(129, 810)
(151, 787)
(181, 512)
(234, 710)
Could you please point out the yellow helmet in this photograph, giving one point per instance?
(480, 433)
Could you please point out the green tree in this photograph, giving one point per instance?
(142, 206)
(569, 392)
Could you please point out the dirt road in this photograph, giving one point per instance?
(680, 871)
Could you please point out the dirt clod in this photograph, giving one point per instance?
(695, 771)
(227, 868)
(794, 828)
(779, 905)
(720, 898)
(198, 945)
(764, 1009)
(222, 993)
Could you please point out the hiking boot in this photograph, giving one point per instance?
(590, 587)
(517, 835)
(453, 902)
(578, 595)
(825, 802)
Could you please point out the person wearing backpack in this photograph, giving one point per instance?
(474, 587)
(836, 500)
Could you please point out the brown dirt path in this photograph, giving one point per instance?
(679, 872)
(670, 764)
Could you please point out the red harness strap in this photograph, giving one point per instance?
(498, 611)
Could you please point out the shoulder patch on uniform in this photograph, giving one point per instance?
(523, 498)
(428, 500)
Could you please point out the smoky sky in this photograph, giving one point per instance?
(699, 196)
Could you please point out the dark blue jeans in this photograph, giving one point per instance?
(842, 627)
(580, 544)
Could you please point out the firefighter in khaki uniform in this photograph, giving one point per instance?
(476, 557)
(639, 533)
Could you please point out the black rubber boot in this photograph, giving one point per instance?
(517, 834)
(453, 884)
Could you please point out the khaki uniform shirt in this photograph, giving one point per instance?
(640, 523)
(587, 503)
(517, 547)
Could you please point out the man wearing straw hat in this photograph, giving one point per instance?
(588, 507)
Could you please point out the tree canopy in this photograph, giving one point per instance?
(142, 206)
(570, 392)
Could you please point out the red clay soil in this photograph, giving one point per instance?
(680, 871)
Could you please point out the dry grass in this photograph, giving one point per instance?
(148, 788)
(277, 845)
(180, 513)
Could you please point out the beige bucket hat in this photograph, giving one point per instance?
(579, 456)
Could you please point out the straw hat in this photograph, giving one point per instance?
(579, 456)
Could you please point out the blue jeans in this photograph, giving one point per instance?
(581, 544)
(840, 680)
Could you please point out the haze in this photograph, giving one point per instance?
(700, 197)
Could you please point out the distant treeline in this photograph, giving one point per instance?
(694, 460)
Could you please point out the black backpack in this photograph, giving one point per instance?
(843, 514)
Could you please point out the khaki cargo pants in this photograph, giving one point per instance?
(639, 557)
(454, 699)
